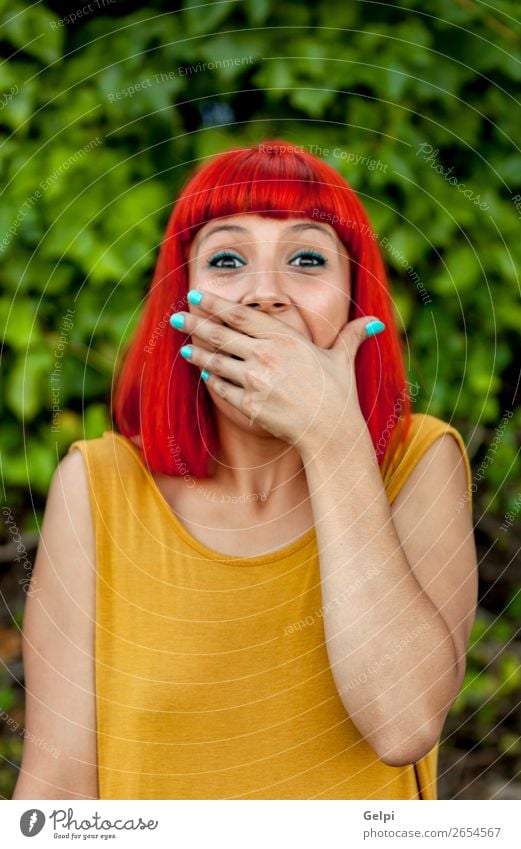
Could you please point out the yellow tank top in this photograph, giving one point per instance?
(203, 691)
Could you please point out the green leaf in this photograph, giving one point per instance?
(312, 102)
(34, 30)
(96, 421)
(18, 323)
(7, 699)
(202, 17)
(257, 11)
(27, 383)
(276, 75)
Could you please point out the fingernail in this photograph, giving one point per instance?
(205, 375)
(177, 320)
(194, 296)
(374, 327)
(186, 351)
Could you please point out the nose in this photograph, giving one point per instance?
(266, 292)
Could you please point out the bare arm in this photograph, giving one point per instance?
(59, 756)
(399, 589)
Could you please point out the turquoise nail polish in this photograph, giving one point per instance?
(186, 351)
(374, 327)
(177, 320)
(205, 375)
(194, 296)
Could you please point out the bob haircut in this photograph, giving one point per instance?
(161, 397)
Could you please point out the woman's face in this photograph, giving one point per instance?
(295, 269)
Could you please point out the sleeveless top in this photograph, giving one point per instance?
(211, 670)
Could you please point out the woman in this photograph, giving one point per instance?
(260, 586)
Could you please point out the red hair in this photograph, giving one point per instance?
(160, 396)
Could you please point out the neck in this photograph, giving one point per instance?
(257, 464)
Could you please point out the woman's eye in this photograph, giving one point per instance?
(227, 260)
(215, 261)
(307, 256)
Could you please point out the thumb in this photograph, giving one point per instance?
(357, 331)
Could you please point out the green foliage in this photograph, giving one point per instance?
(7, 699)
(10, 756)
(101, 123)
(489, 695)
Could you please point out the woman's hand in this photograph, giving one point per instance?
(290, 386)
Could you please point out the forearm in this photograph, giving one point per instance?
(392, 655)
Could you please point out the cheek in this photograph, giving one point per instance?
(197, 280)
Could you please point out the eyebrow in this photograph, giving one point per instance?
(295, 227)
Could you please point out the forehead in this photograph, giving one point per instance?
(264, 227)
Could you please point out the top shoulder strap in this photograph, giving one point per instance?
(105, 457)
(424, 430)
(114, 480)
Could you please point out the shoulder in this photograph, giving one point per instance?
(70, 477)
(78, 482)
(108, 437)
(440, 444)
(94, 444)
(68, 508)
(98, 452)
(433, 450)
(426, 428)
(110, 470)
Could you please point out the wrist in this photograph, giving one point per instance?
(331, 440)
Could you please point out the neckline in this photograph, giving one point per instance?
(209, 553)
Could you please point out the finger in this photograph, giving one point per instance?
(246, 320)
(181, 317)
(226, 390)
(213, 335)
(217, 363)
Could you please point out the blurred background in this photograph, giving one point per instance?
(104, 109)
